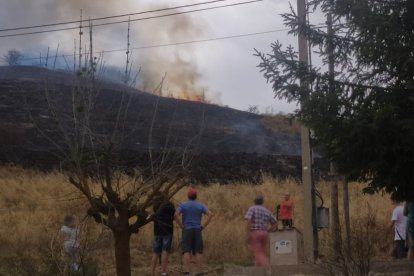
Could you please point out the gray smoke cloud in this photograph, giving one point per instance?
(177, 63)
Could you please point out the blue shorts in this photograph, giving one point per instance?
(162, 243)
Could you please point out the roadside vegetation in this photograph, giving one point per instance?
(33, 205)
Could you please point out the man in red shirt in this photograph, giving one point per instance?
(286, 211)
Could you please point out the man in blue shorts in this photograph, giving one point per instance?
(163, 231)
(191, 213)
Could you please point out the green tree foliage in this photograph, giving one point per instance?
(12, 57)
(363, 114)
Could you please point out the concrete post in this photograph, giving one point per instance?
(309, 237)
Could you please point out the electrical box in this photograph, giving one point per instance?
(286, 247)
(322, 217)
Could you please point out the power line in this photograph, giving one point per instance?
(109, 17)
(138, 19)
(322, 25)
(179, 43)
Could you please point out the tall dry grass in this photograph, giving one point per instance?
(33, 205)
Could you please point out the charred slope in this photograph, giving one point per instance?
(227, 144)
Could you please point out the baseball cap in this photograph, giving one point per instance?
(191, 192)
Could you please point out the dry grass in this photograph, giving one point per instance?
(33, 205)
(280, 123)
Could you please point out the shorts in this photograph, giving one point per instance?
(192, 241)
(287, 222)
(162, 243)
(399, 251)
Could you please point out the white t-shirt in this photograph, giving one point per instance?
(70, 237)
(400, 222)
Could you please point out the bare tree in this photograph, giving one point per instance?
(91, 140)
(12, 57)
(253, 109)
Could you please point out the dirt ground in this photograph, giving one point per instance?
(397, 268)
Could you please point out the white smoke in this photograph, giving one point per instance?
(177, 63)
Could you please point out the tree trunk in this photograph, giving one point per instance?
(122, 253)
(346, 214)
(335, 228)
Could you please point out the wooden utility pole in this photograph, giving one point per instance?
(310, 232)
(80, 41)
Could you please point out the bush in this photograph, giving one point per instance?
(356, 259)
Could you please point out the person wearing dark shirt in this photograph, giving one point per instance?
(163, 231)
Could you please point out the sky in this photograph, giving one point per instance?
(225, 70)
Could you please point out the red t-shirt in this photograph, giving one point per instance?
(286, 209)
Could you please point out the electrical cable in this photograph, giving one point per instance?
(178, 43)
(132, 20)
(109, 17)
(186, 42)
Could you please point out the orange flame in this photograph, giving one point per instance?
(197, 98)
(184, 95)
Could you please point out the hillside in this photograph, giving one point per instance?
(228, 144)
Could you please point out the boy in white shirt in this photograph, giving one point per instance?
(71, 246)
(399, 223)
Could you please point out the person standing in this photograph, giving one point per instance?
(259, 222)
(188, 217)
(409, 212)
(71, 248)
(163, 218)
(286, 211)
(399, 223)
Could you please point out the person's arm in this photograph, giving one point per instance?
(177, 218)
(209, 215)
(273, 227)
(273, 223)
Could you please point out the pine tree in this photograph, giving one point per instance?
(363, 115)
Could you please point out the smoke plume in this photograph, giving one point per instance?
(177, 63)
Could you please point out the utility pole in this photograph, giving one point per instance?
(80, 41)
(310, 232)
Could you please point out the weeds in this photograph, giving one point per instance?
(366, 238)
(29, 243)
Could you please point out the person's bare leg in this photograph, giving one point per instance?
(164, 261)
(199, 262)
(154, 263)
(186, 262)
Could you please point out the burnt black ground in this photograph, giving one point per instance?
(226, 144)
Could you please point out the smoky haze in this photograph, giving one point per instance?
(178, 64)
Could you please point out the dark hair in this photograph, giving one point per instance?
(68, 220)
(258, 200)
(159, 200)
(192, 196)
